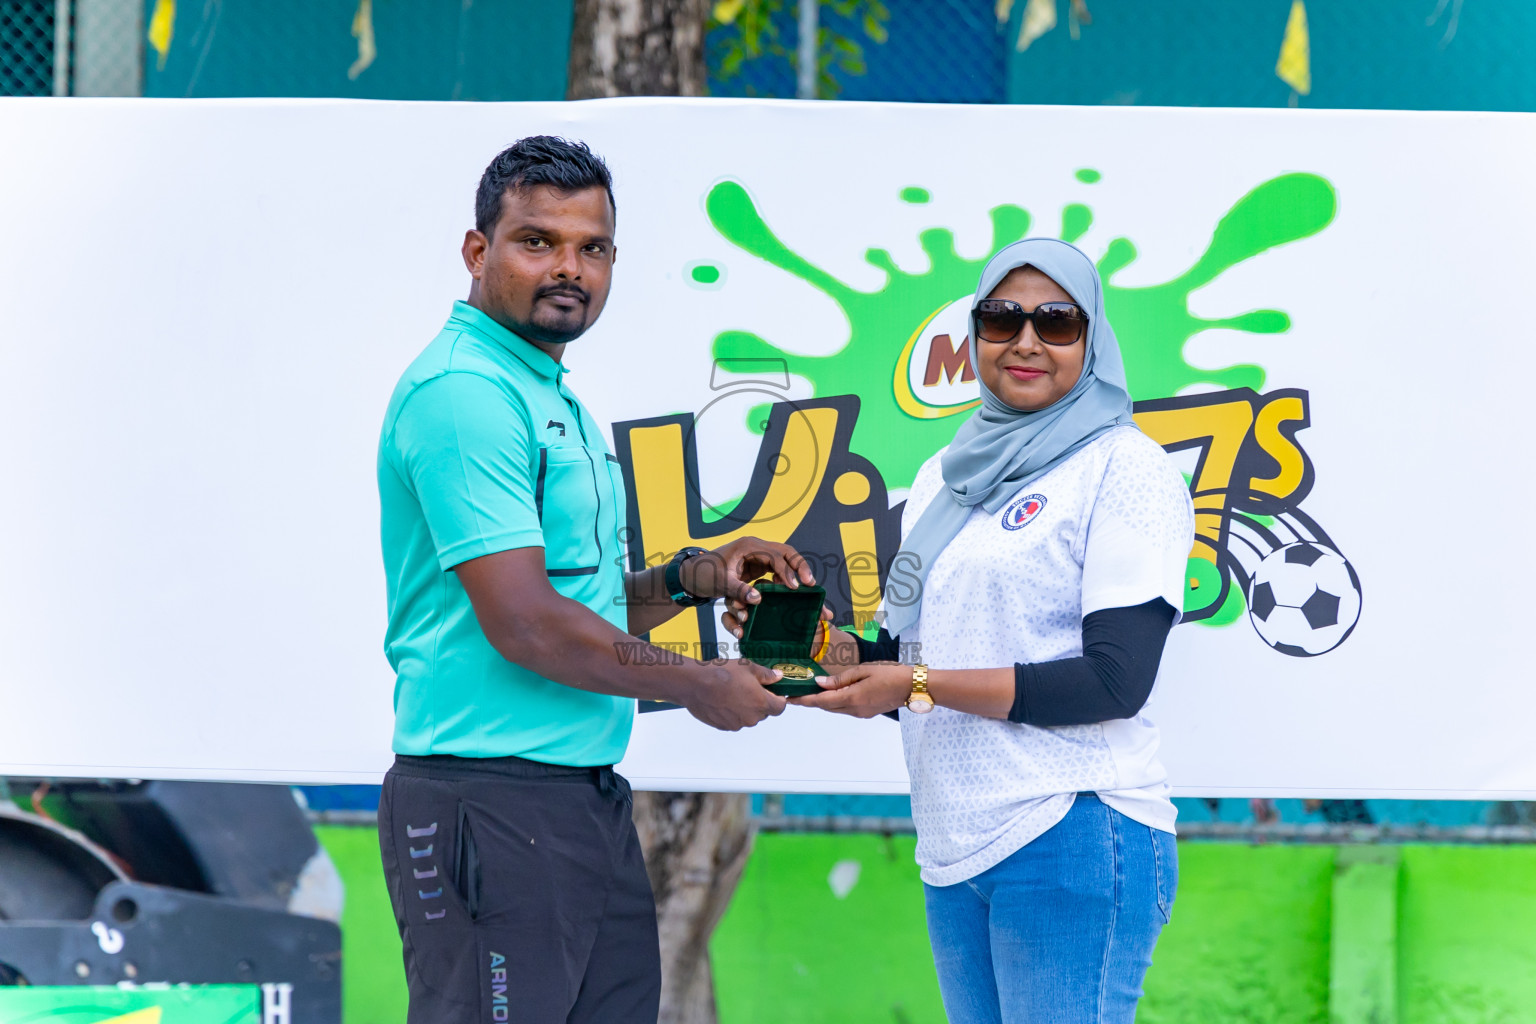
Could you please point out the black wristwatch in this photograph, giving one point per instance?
(674, 579)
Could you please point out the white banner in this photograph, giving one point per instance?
(205, 306)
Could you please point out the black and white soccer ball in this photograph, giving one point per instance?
(1304, 599)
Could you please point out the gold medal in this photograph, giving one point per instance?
(793, 671)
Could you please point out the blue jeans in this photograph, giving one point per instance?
(1062, 931)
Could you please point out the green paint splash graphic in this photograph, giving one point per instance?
(1153, 323)
(881, 322)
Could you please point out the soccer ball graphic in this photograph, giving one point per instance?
(1304, 599)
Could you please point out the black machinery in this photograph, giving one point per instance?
(112, 883)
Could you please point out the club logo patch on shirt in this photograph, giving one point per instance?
(1023, 511)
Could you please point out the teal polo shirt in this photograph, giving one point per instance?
(485, 449)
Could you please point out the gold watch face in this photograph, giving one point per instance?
(793, 671)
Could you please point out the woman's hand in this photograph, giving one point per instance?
(863, 691)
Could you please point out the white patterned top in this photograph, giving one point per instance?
(1109, 528)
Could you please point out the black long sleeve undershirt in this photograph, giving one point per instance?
(883, 648)
(1111, 679)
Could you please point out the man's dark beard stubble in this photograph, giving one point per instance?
(531, 331)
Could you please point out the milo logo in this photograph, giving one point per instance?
(934, 378)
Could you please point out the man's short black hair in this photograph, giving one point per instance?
(563, 165)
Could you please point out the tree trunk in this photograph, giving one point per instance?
(637, 48)
(696, 846)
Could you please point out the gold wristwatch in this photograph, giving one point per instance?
(919, 702)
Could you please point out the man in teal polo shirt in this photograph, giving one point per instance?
(512, 862)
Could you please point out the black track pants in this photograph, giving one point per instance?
(520, 893)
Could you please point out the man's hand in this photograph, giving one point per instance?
(863, 691)
(737, 697)
(725, 571)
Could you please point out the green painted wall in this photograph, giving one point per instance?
(1380, 54)
(1249, 941)
(487, 50)
(1467, 934)
(789, 949)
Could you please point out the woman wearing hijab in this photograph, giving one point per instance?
(1048, 542)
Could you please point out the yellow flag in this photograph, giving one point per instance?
(1295, 64)
(162, 25)
(362, 30)
(1039, 18)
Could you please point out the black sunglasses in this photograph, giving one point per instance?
(1056, 323)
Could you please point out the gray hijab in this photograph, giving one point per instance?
(1000, 450)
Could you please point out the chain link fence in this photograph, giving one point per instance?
(29, 34)
(71, 47)
(1387, 54)
(921, 51)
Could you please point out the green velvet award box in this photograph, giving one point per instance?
(779, 633)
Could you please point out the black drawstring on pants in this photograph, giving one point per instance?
(609, 783)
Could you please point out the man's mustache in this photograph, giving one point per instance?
(574, 291)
